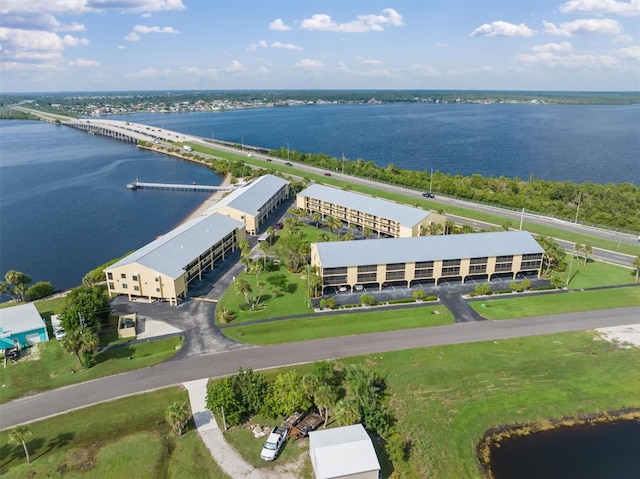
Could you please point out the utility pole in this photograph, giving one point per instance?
(287, 151)
(578, 209)
(242, 142)
(343, 163)
(570, 266)
(521, 218)
(431, 181)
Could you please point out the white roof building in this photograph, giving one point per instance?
(21, 325)
(343, 452)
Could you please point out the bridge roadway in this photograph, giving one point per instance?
(177, 371)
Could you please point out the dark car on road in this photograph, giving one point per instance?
(428, 194)
(288, 164)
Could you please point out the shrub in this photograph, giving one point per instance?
(483, 289)
(401, 301)
(40, 290)
(367, 300)
(431, 298)
(419, 294)
(328, 303)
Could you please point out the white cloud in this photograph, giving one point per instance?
(442, 45)
(423, 70)
(149, 73)
(586, 25)
(278, 25)
(308, 64)
(43, 21)
(362, 23)
(602, 7)
(553, 47)
(502, 29)
(29, 40)
(371, 62)
(285, 46)
(121, 47)
(623, 39)
(571, 62)
(630, 52)
(83, 6)
(82, 62)
(235, 67)
(134, 36)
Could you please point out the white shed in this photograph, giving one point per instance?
(343, 452)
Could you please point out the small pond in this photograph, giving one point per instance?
(598, 451)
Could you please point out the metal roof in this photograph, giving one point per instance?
(426, 248)
(342, 451)
(403, 214)
(252, 196)
(20, 319)
(169, 254)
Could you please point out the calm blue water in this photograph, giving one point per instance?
(64, 208)
(554, 142)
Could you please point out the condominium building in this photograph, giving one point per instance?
(425, 261)
(380, 216)
(253, 202)
(164, 268)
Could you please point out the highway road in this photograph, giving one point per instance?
(178, 371)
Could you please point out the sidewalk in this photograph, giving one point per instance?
(226, 457)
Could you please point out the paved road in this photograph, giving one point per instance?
(177, 371)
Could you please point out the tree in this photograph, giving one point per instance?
(177, 415)
(82, 343)
(240, 395)
(323, 238)
(271, 233)
(587, 249)
(557, 282)
(243, 287)
(314, 281)
(483, 289)
(553, 254)
(19, 435)
(85, 303)
(333, 223)
(286, 395)
(366, 231)
(325, 397)
(16, 284)
(292, 252)
(39, 290)
(264, 247)
(347, 411)
(636, 264)
(434, 228)
(245, 252)
(316, 218)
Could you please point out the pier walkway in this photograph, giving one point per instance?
(136, 185)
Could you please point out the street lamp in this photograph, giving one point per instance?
(578, 209)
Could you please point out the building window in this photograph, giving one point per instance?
(109, 275)
(367, 268)
(424, 273)
(478, 268)
(424, 264)
(504, 259)
(123, 276)
(531, 257)
(451, 262)
(124, 286)
(367, 277)
(136, 288)
(157, 290)
(111, 286)
(530, 265)
(392, 275)
(451, 271)
(395, 267)
(157, 279)
(482, 260)
(504, 267)
(135, 277)
(328, 271)
(334, 280)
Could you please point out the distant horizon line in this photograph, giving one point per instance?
(230, 90)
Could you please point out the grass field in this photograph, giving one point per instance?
(595, 273)
(570, 302)
(333, 325)
(124, 438)
(50, 366)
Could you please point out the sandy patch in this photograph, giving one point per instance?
(626, 336)
(212, 200)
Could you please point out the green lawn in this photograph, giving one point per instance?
(525, 305)
(112, 440)
(333, 325)
(595, 273)
(52, 367)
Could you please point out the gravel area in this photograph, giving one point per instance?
(626, 336)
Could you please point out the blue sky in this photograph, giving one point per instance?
(98, 45)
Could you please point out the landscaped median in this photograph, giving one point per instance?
(333, 325)
(525, 305)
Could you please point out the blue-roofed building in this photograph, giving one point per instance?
(380, 216)
(253, 202)
(164, 268)
(427, 260)
(21, 326)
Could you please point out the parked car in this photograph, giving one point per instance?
(358, 287)
(59, 333)
(342, 289)
(288, 164)
(274, 442)
(327, 174)
(428, 194)
(278, 225)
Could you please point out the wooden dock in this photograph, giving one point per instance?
(139, 185)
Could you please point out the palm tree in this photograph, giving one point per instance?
(323, 238)
(325, 397)
(245, 252)
(333, 223)
(366, 231)
(348, 236)
(264, 248)
(347, 412)
(271, 232)
(89, 342)
(177, 415)
(636, 264)
(72, 342)
(243, 287)
(587, 251)
(19, 435)
(434, 228)
(316, 218)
